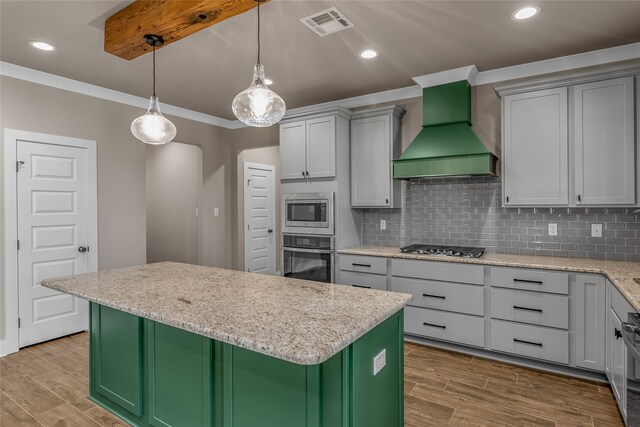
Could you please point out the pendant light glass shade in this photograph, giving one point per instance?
(258, 106)
(152, 127)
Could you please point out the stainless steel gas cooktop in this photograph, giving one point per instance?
(458, 251)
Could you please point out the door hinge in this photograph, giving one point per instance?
(19, 164)
(18, 244)
(18, 322)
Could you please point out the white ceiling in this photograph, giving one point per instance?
(206, 70)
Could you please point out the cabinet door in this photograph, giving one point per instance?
(618, 362)
(293, 150)
(371, 162)
(116, 360)
(589, 311)
(321, 147)
(604, 142)
(536, 148)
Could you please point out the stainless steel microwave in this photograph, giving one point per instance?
(308, 213)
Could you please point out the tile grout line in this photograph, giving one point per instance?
(25, 409)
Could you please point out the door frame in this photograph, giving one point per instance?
(10, 343)
(245, 174)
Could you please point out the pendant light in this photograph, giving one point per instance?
(152, 127)
(258, 106)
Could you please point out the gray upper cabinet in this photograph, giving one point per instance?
(308, 148)
(293, 163)
(375, 142)
(571, 140)
(604, 147)
(535, 164)
(321, 147)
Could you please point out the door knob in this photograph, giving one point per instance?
(270, 231)
(83, 249)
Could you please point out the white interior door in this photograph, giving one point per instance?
(53, 225)
(259, 218)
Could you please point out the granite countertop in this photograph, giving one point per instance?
(620, 273)
(295, 320)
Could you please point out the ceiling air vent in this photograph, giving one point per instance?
(327, 22)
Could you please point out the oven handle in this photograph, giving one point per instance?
(308, 251)
(627, 330)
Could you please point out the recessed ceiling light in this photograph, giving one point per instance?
(42, 45)
(368, 54)
(525, 13)
(268, 82)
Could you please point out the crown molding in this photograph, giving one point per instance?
(64, 83)
(563, 63)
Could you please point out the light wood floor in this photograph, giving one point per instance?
(47, 385)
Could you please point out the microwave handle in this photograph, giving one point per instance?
(627, 330)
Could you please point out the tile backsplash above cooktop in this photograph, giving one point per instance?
(466, 211)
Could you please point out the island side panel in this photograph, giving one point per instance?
(185, 378)
(117, 366)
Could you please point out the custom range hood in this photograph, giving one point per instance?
(446, 145)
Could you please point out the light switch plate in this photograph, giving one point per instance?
(379, 362)
(596, 230)
(216, 212)
(553, 229)
(383, 224)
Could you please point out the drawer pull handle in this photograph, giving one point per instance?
(537, 310)
(361, 286)
(537, 344)
(355, 264)
(434, 296)
(537, 282)
(434, 325)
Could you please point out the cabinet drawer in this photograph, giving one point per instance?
(363, 280)
(364, 264)
(531, 341)
(441, 325)
(433, 270)
(530, 307)
(530, 280)
(465, 299)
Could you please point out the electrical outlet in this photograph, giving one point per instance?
(379, 362)
(216, 212)
(553, 229)
(383, 224)
(596, 230)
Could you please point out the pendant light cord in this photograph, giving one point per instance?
(258, 30)
(154, 70)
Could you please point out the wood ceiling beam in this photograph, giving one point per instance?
(171, 19)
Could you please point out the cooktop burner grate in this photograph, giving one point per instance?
(458, 251)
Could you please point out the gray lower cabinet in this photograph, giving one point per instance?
(363, 280)
(589, 312)
(363, 264)
(455, 327)
(530, 307)
(530, 341)
(530, 280)
(446, 296)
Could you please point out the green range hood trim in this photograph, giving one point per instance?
(446, 145)
(478, 164)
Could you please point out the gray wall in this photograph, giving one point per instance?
(121, 169)
(173, 193)
(466, 211)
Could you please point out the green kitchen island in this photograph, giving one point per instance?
(183, 345)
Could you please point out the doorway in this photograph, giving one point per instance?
(173, 199)
(50, 217)
(259, 218)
